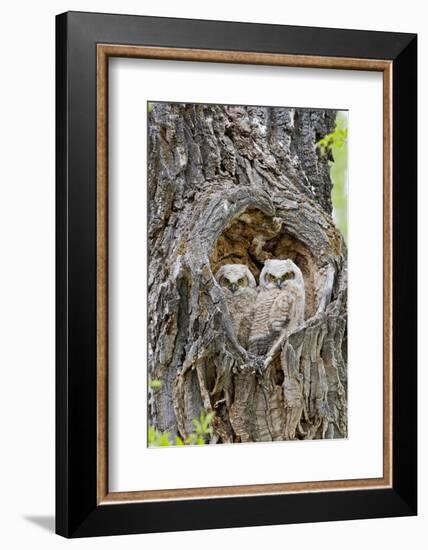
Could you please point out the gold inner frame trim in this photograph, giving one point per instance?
(104, 51)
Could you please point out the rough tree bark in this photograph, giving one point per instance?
(233, 184)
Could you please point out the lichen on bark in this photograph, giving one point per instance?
(235, 184)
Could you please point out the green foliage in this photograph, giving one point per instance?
(155, 384)
(203, 429)
(336, 143)
(334, 140)
(199, 436)
(158, 439)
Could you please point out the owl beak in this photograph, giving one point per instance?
(278, 283)
(233, 287)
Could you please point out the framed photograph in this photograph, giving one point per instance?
(236, 274)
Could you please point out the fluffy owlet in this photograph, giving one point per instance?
(280, 304)
(238, 285)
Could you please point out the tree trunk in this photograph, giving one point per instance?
(233, 184)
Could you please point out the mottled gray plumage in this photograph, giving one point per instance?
(238, 285)
(280, 304)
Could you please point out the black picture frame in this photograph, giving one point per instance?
(77, 511)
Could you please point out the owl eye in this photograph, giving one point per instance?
(241, 281)
(271, 278)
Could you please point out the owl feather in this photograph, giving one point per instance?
(279, 306)
(238, 286)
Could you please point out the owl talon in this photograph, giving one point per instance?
(259, 365)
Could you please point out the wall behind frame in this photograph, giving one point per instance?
(27, 272)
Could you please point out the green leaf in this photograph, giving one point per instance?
(200, 435)
(157, 438)
(163, 440)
